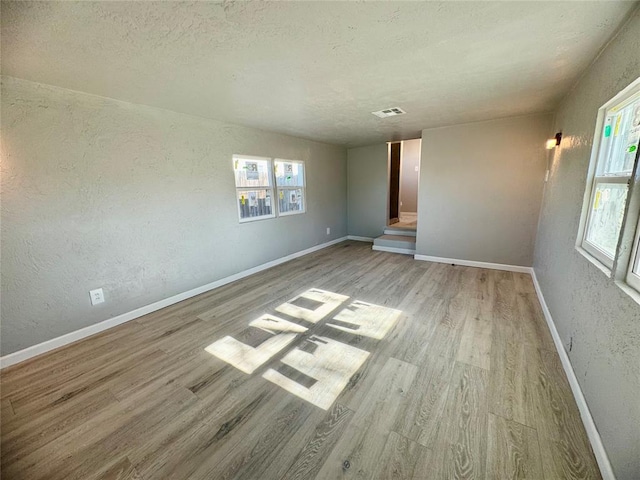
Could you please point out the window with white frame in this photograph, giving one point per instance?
(258, 178)
(615, 150)
(254, 187)
(633, 272)
(290, 183)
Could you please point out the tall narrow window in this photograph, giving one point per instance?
(617, 146)
(290, 183)
(633, 274)
(254, 187)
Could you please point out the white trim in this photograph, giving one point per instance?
(590, 427)
(408, 251)
(360, 239)
(633, 279)
(270, 188)
(594, 261)
(281, 188)
(592, 431)
(400, 231)
(292, 212)
(39, 349)
(595, 177)
(472, 263)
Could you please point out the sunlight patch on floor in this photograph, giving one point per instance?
(247, 358)
(328, 303)
(324, 363)
(332, 364)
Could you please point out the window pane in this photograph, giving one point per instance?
(636, 269)
(255, 203)
(290, 200)
(606, 216)
(251, 172)
(289, 174)
(620, 137)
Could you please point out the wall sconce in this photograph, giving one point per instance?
(554, 142)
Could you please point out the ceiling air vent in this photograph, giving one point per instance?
(389, 112)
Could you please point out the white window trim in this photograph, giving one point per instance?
(631, 278)
(631, 283)
(303, 187)
(254, 219)
(270, 188)
(273, 188)
(586, 244)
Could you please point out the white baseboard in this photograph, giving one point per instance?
(360, 239)
(592, 432)
(472, 263)
(406, 251)
(590, 427)
(39, 349)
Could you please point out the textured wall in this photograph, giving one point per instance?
(367, 190)
(137, 200)
(598, 323)
(408, 175)
(480, 190)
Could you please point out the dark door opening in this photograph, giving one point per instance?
(394, 182)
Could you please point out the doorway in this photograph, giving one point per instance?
(404, 174)
(394, 182)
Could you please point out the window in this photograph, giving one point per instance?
(254, 187)
(256, 180)
(615, 149)
(290, 184)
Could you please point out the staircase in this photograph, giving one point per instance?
(396, 240)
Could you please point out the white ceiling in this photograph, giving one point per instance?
(314, 69)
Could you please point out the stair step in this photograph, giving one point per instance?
(407, 232)
(397, 243)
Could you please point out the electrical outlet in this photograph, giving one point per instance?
(97, 296)
(328, 230)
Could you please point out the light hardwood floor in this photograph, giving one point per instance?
(463, 383)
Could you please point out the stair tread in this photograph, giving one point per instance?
(406, 233)
(390, 249)
(401, 229)
(399, 238)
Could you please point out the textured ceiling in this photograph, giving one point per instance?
(314, 69)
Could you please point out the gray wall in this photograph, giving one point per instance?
(367, 190)
(590, 311)
(137, 200)
(408, 175)
(480, 189)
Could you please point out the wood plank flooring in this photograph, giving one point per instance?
(417, 370)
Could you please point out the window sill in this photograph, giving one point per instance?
(255, 219)
(622, 285)
(295, 212)
(629, 290)
(597, 263)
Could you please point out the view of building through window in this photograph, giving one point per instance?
(616, 152)
(254, 187)
(257, 178)
(290, 184)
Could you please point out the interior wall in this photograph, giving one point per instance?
(367, 190)
(599, 324)
(137, 200)
(409, 175)
(480, 190)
